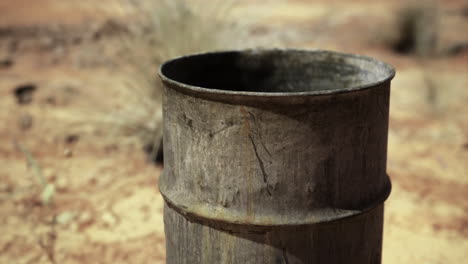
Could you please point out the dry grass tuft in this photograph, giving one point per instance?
(160, 30)
(415, 33)
(417, 29)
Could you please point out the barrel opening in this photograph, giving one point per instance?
(277, 71)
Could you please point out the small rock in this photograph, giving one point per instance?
(24, 93)
(108, 219)
(51, 100)
(84, 220)
(49, 173)
(68, 153)
(85, 217)
(65, 217)
(72, 138)
(61, 183)
(25, 122)
(46, 42)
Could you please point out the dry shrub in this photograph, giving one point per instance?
(416, 29)
(160, 30)
(412, 29)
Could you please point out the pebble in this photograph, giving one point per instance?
(61, 183)
(65, 217)
(68, 153)
(85, 217)
(108, 219)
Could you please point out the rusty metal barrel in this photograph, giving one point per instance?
(275, 156)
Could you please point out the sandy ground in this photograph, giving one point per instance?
(106, 207)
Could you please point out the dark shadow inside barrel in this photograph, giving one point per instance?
(277, 71)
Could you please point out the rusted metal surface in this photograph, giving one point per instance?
(272, 147)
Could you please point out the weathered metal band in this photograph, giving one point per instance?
(321, 216)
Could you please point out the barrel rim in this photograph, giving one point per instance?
(198, 90)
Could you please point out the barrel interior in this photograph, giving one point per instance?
(277, 71)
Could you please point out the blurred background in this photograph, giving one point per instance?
(80, 115)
